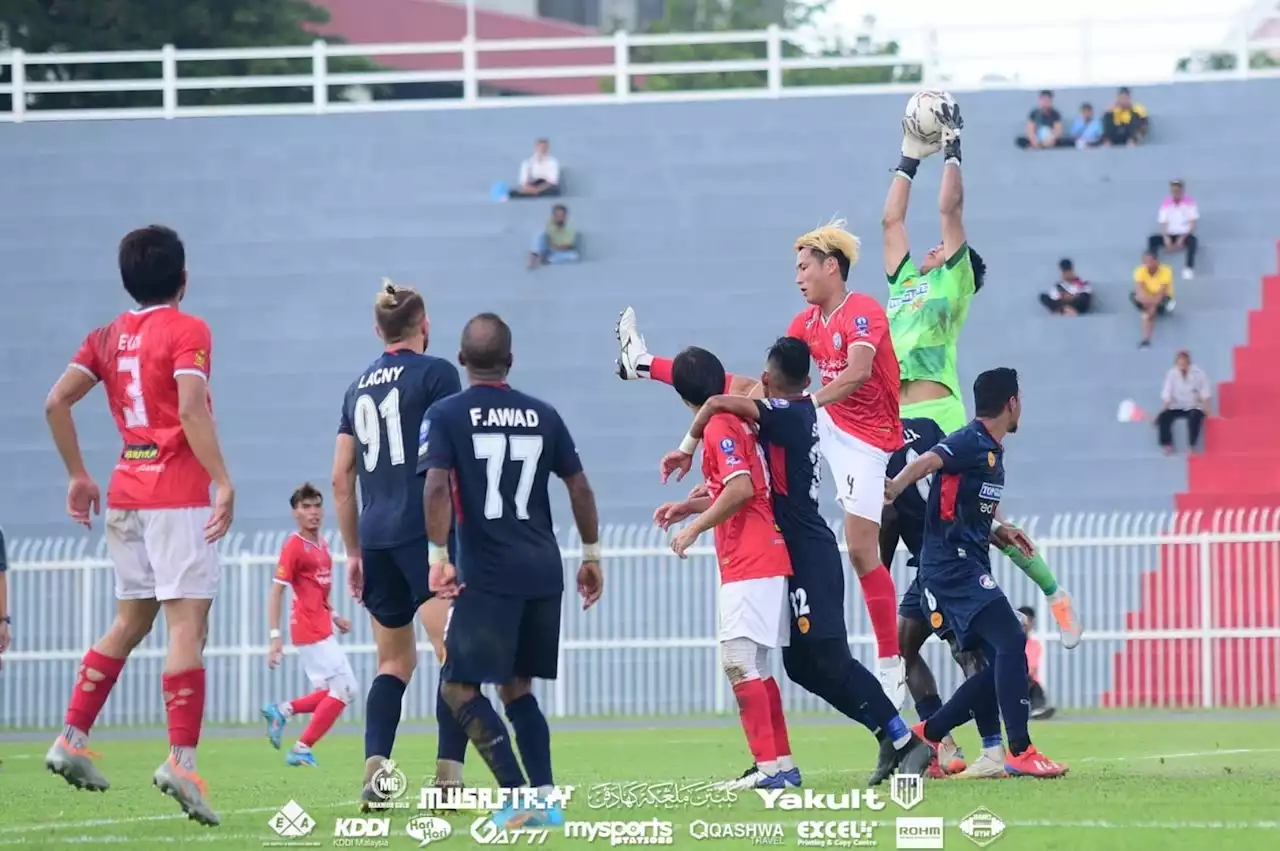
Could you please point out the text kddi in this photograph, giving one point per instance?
(854, 799)
(358, 827)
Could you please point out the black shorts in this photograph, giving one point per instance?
(395, 583)
(915, 606)
(494, 639)
(816, 593)
(1166, 304)
(958, 593)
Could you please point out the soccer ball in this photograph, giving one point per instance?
(921, 118)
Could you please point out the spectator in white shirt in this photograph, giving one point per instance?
(1178, 218)
(540, 174)
(1071, 295)
(1186, 395)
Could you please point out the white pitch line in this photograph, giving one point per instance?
(133, 840)
(1188, 755)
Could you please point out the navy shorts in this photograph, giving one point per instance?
(915, 606)
(494, 639)
(816, 593)
(958, 592)
(395, 582)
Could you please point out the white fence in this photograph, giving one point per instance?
(1004, 55)
(1181, 611)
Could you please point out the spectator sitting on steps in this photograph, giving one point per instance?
(557, 242)
(1152, 293)
(1186, 395)
(540, 174)
(1086, 130)
(1044, 126)
(1071, 295)
(1126, 122)
(1179, 214)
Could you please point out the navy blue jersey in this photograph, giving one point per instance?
(963, 500)
(502, 447)
(789, 437)
(919, 435)
(384, 410)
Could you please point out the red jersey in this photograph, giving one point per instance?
(307, 569)
(138, 358)
(748, 544)
(871, 413)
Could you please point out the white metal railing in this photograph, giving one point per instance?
(1181, 611)
(1017, 55)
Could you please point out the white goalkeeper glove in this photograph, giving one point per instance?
(913, 147)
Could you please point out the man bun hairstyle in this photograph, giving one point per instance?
(398, 311)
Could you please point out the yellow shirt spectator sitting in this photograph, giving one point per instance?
(1152, 293)
(1126, 122)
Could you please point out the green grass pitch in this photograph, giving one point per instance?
(1135, 784)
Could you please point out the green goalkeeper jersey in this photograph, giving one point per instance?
(926, 314)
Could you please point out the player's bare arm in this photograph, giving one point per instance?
(680, 461)
(853, 376)
(582, 501)
(951, 209)
(202, 437)
(437, 506)
(670, 513)
(275, 605)
(893, 222)
(926, 465)
(343, 482)
(83, 497)
(737, 493)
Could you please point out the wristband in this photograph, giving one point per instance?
(274, 634)
(907, 167)
(689, 445)
(437, 554)
(591, 552)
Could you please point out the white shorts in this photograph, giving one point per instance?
(161, 554)
(857, 468)
(755, 609)
(326, 665)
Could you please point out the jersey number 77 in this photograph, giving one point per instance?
(494, 449)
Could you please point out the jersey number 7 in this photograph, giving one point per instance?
(493, 450)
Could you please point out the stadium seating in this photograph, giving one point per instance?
(689, 209)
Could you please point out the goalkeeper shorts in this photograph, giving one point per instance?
(948, 413)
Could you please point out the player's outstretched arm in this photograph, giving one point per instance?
(739, 406)
(344, 492)
(951, 193)
(926, 465)
(893, 222)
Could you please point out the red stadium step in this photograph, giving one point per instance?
(1210, 504)
(1254, 473)
(1237, 399)
(1258, 366)
(1242, 434)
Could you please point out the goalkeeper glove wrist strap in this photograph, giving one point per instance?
(951, 153)
(907, 167)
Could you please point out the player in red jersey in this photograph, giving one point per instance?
(306, 567)
(859, 428)
(154, 364)
(754, 567)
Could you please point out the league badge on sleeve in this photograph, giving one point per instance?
(863, 325)
(423, 431)
(987, 582)
(727, 446)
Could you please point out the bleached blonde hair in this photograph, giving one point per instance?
(397, 310)
(834, 241)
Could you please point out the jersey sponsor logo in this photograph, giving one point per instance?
(863, 325)
(987, 582)
(837, 340)
(991, 491)
(913, 296)
(727, 445)
(145, 452)
(200, 359)
(991, 460)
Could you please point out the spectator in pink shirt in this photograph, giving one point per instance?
(1179, 214)
(1040, 708)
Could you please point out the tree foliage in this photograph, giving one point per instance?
(64, 26)
(750, 15)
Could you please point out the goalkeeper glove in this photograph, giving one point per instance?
(913, 147)
(952, 123)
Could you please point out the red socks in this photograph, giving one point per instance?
(307, 705)
(184, 704)
(757, 720)
(778, 721)
(882, 606)
(325, 714)
(97, 675)
(660, 370)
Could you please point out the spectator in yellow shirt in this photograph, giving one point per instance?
(1126, 122)
(1152, 293)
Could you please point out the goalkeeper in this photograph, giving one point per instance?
(927, 309)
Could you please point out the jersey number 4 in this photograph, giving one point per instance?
(493, 450)
(369, 431)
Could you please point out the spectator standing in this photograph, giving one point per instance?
(557, 242)
(1186, 396)
(1179, 214)
(1152, 293)
(1044, 126)
(1040, 707)
(1086, 130)
(1126, 122)
(1071, 295)
(4, 598)
(540, 174)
